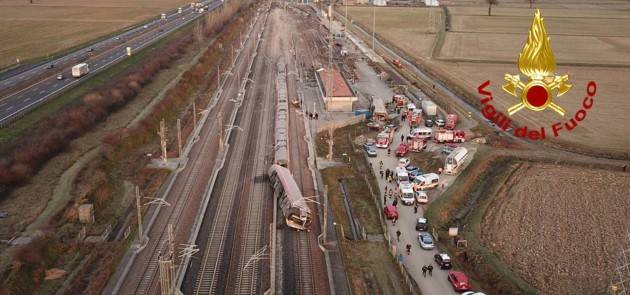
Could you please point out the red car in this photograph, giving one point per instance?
(402, 150)
(459, 281)
(390, 212)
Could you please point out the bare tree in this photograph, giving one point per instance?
(490, 3)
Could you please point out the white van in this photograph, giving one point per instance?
(426, 181)
(407, 195)
(401, 176)
(422, 132)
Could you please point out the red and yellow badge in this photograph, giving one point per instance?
(537, 62)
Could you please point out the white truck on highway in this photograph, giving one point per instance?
(80, 70)
(429, 108)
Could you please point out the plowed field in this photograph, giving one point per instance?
(560, 227)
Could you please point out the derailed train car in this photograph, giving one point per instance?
(281, 136)
(296, 212)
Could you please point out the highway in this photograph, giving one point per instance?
(22, 92)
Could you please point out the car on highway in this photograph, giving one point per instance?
(50, 66)
(428, 123)
(403, 162)
(440, 122)
(443, 260)
(91, 49)
(426, 241)
(413, 174)
(422, 197)
(146, 26)
(390, 212)
(459, 280)
(60, 77)
(422, 224)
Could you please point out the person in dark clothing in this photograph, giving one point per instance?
(430, 269)
(389, 151)
(316, 116)
(424, 271)
(398, 233)
(394, 220)
(415, 209)
(395, 203)
(387, 173)
(381, 174)
(408, 249)
(402, 137)
(384, 199)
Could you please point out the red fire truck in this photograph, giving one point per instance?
(418, 143)
(399, 101)
(415, 118)
(451, 121)
(442, 136)
(385, 138)
(402, 150)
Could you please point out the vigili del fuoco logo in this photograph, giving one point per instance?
(538, 91)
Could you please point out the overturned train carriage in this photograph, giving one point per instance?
(296, 212)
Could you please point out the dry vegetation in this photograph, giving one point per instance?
(56, 25)
(121, 160)
(592, 44)
(558, 227)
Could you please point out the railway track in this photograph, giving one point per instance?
(236, 227)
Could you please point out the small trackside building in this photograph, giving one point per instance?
(335, 90)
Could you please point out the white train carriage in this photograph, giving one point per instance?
(296, 212)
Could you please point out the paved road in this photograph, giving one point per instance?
(22, 92)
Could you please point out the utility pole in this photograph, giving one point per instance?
(167, 265)
(194, 115)
(331, 130)
(326, 210)
(330, 53)
(139, 208)
(179, 138)
(163, 140)
(373, 23)
(221, 143)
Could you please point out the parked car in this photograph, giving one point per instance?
(421, 197)
(60, 77)
(443, 260)
(390, 212)
(371, 151)
(4, 214)
(440, 122)
(428, 123)
(422, 224)
(411, 168)
(426, 241)
(459, 280)
(403, 162)
(413, 174)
